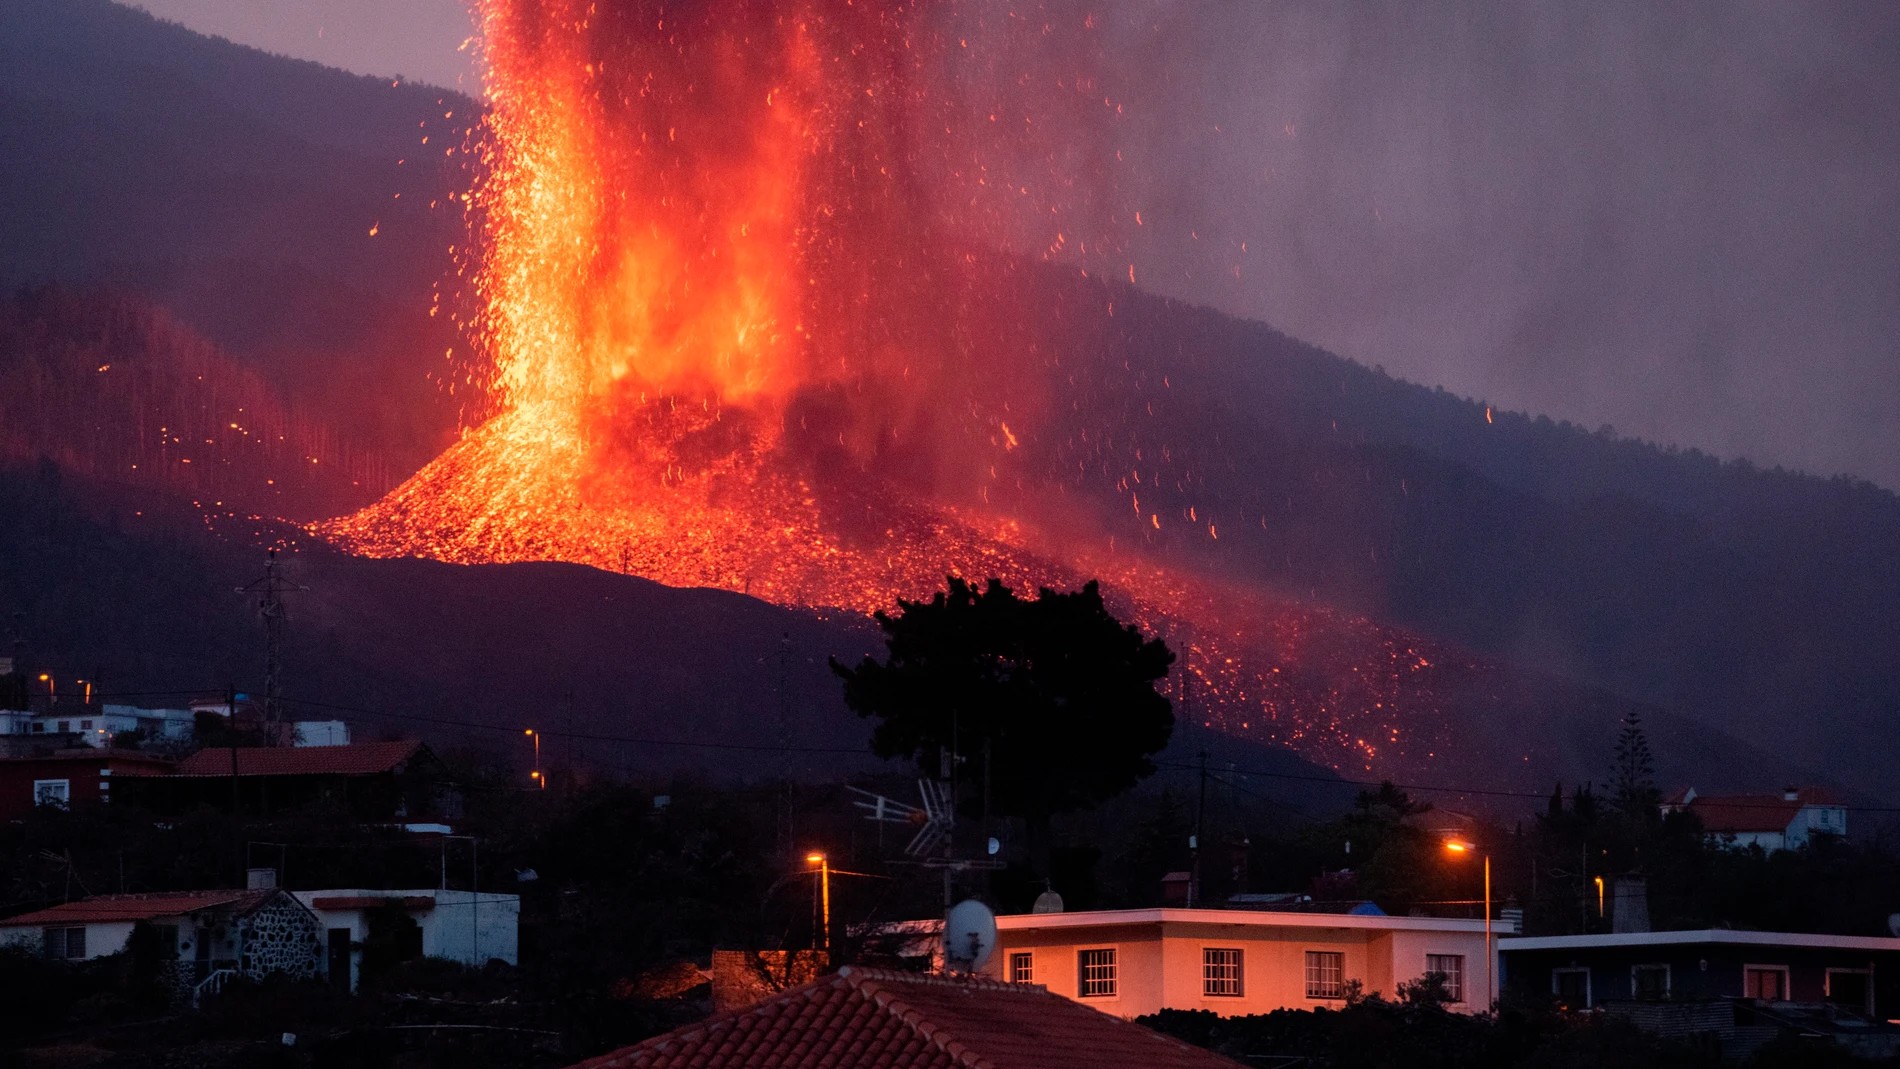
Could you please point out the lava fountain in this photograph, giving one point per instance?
(751, 285)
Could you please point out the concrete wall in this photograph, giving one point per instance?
(460, 926)
(102, 938)
(1160, 965)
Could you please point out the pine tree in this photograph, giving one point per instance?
(1633, 789)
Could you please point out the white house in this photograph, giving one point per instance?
(211, 934)
(1237, 962)
(1784, 821)
(464, 926)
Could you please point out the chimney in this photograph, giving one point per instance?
(1629, 912)
(1790, 794)
(260, 879)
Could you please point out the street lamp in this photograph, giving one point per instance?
(1459, 846)
(822, 889)
(540, 780)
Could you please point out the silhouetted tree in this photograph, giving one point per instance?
(1048, 704)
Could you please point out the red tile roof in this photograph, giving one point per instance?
(873, 1019)
(359, 759)
(101, 908)
(1726, 813)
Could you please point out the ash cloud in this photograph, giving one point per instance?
(1675, 219)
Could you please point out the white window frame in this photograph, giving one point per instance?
(1022, 967)
(1571, 970)
(1787, 987)
(1455, 984)
(1669, 978)
(1082, 973)
(65, 941)
(64, 793)
(1214, 972)
(1317, 990)
(1827, 984)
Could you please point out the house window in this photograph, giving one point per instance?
(1851, 989)
(1325, 974)
(1022, 967)
(1220, 971)
(1766, 982)
(1452, 968)
(65, 726)
(1097, 968)
(54, 792)
(1572, 987)
(1649, 982)
(65, 942)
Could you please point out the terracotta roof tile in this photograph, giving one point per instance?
(140, 907)
(1755, 812)
(874, 1019)
(358, 759)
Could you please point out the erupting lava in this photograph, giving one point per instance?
(720, 309)
(747, 326)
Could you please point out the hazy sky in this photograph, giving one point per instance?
(417, 39)
(1679, 219)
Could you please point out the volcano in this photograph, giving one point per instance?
(820, 303)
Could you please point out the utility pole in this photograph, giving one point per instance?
(789, 845)
(270, 601)
(1194, 844)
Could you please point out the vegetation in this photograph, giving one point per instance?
(1045, 706)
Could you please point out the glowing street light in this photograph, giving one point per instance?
(1460, 846)
(540, 780)
(822, 888)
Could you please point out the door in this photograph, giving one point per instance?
(337, 962)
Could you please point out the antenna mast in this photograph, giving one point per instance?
(270, 592)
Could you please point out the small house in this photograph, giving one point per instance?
(1239, 962)
(1786, 820)
(469, 927)
(210, 935)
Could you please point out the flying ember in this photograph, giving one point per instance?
(752, 286)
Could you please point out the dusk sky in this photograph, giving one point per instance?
(1679, 222)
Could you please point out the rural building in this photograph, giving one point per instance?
(1859, 973)
(80, 776)
(212, 935)
(462, 926)
(874, 1019)
(1739, 989)
(1783, 821)
(1237, 962)
(372, 781)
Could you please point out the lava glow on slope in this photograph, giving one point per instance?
(738, 333)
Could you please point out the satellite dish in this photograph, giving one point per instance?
(1047, 902)
(969, 936)
(1893, 924)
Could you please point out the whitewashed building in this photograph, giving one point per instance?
(462, 926)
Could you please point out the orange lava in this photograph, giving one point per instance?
(727, 341)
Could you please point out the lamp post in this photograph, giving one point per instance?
(540, 781)
(1459, 846)
(822, 890)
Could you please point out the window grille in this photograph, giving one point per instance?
(1452, 968)
(1022, 968)
(1220, 971)
(1098, 973)
(1325, 974)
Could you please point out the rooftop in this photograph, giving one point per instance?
(356, 759)
(873, 1019)
(1713, 936)
(1723, 813)
(1234, 918)
(138, 907)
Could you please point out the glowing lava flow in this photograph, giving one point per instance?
(731, 345)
